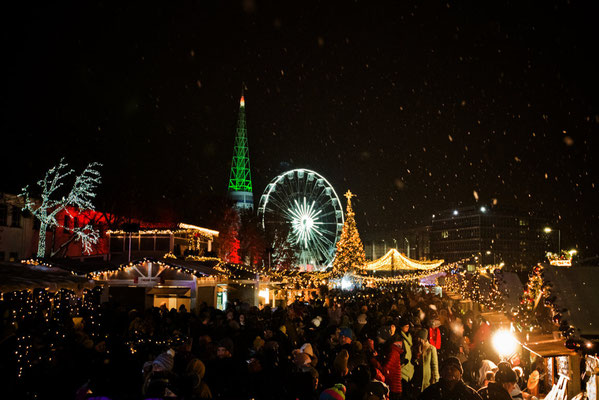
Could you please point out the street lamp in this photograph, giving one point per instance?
(548, 230)
(489, 252)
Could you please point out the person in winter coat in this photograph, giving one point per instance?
(505, 382)
(392, 368)
(407, 369)
(428, 360)
(450, 386)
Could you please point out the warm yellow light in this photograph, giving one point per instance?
(504, 343)
(547, 229)
(265, 295)
(572, 252)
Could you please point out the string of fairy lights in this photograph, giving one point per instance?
(468, 286)
(538, 311)
(49, 315)
(53, 313)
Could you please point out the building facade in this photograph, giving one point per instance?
(18, 230)
(488, 235)
(414, 243)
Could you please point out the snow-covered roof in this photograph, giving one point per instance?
(577, 289)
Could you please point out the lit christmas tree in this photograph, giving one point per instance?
(526, 316)
(350, 251)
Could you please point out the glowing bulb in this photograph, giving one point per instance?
(504, 343)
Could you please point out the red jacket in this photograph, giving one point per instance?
(392, 369)
(434, 335)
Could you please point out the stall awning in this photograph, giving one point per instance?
(170, 291)
(18, 276)
(547, 346)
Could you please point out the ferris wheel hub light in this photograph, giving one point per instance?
(307, 222)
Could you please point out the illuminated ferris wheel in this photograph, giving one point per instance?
(308, 205)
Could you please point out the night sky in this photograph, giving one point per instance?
(414, 106)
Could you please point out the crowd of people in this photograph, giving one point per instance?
(404, 343)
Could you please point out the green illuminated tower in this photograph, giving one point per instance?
(240, 180)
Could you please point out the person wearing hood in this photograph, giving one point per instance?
(194, 373)
(392, 368)
(487, 365)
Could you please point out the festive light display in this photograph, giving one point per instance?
(394, 260)
(534, 290)
(40, 312)
(561, 260)
(468, 285)
(240, 178)
(183, 229)
(80, 196)
(308, 204)
(103, 274)
(350, 250)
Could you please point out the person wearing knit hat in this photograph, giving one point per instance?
(161, 381)
(164, 362)
(452, 362)
(225, 348)
(345, 336)
(336, 392)
(505, 382)
(451, 385)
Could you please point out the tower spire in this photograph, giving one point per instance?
(240, 178)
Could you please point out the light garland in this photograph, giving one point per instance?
(130, 265)
(394, 260)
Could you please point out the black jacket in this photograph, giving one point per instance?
(494, 391)
(442, 391)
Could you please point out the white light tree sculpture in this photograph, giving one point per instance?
(80, 196)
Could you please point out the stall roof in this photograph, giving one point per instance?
(203, 267)
(82, 267)
(19, 276)
(546, 345)
(576, 289)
